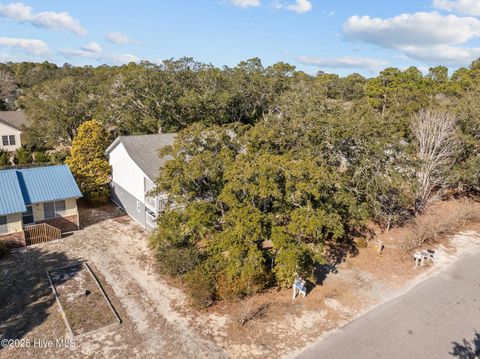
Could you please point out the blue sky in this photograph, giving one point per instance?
(341, 36)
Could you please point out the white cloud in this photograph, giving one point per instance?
(246, 3)
(420, 28)
(92, 47)
(119, 38)
(22, 13)
(346, 62)
(445, 54)
(300, 6)
(94, 52)
(467, 7)
(429, 37)
(33, 46)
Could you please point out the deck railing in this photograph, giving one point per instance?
(40, 233)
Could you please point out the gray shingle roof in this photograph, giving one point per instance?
(143, 150)
(15, 119)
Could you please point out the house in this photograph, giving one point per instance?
(11, 123)
(135, 164)
(37, 195)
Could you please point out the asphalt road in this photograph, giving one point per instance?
(430, 321)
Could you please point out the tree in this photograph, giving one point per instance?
(87, 161)
(466, 171)
(436, 149)
(57, 107)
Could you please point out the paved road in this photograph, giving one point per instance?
(424, 323)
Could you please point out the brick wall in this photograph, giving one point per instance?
(16, 239)
(65, 224)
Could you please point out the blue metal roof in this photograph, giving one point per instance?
(35, 185)
(11, 199)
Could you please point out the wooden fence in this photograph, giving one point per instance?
(40, 233)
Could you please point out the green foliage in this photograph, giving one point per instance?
(271, 166)
(88, 164)
(22, 156)
(4, 158)
(56, 108)
(41, 157)
(59, 157)
(200, 286)
(237, 198)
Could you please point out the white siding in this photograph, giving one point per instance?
(8, 131)
(126, 173)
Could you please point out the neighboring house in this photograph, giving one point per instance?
(135, 164)
(11, 123)
(37, 195)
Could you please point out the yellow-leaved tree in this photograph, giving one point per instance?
(88, 163)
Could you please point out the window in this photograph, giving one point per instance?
(49, 210)
(8, 140)
(27, 216)
(3, 224)
(54, 209)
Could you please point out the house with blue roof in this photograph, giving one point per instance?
(39, 195)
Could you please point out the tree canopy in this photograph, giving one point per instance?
(271, 166)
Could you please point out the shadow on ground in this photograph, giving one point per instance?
(335, 254)
(26, 297)
(92, 215)
(467, 349)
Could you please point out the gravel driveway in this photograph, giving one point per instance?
(117, 250)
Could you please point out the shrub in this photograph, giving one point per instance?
(177, 261)
(4, 158)
(200, 287)
(99, 195)
(361, 242)
(22, 156)
(41, 157)
(59, 157)
(429, 229)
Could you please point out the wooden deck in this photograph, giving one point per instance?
(40, 233)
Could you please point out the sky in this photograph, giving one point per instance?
(341, 36)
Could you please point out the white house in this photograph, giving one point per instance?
(135, 164)
(11, 129)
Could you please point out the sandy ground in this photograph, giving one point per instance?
(157, 321)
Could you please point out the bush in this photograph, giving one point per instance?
(41, 157)
(177, 261)
(429, 229)
(361, 242)
(98, 196)
(3, 249)
(59, 157)
(4, 158)
(200, 287)
(22, 156)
